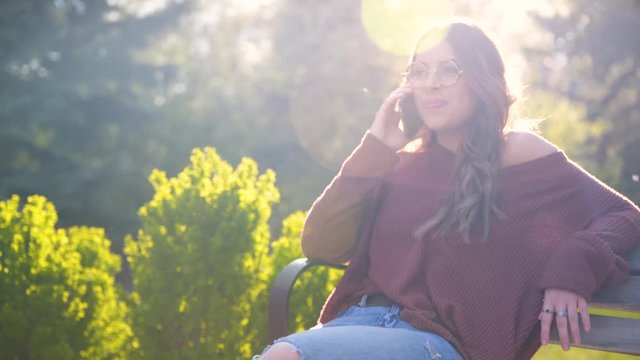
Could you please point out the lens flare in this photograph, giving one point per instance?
(394, 25)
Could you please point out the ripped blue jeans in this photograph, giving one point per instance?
(369, 333)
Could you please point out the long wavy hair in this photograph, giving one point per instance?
(478, 158)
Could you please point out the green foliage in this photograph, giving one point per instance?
(200, 262)
(591, 58)
(57, 293)
(565, 123)
(313, 287)
(72, 125)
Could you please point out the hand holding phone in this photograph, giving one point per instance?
(385, 124)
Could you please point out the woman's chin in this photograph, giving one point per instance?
(436, 125)
(442, 125)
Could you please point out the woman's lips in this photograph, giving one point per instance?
(436, 103)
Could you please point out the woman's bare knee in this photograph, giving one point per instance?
(281, 351)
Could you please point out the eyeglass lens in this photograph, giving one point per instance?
(446, 73)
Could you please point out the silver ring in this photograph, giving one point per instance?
(562, 313)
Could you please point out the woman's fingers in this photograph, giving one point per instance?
(400, 92)
(546, 318)
(562, 306)
(563, 332)
(385, 125)
(389, 105)
(561, 317)
(574, 324)
(584, 314)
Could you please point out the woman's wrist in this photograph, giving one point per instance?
(372, 157)
(392, 143)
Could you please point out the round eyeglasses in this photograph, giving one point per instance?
(446, 73)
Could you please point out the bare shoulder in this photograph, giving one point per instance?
(523, 146)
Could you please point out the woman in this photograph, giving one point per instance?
(471, 247)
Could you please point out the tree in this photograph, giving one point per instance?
(593, 61)
(97, 94)
(73, 123)
(200, 262)
(58, 298)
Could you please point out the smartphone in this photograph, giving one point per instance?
(411, 121)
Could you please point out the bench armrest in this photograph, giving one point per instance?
(281, 291)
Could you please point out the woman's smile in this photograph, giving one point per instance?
(434, 103)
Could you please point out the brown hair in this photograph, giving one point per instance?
(478, 157)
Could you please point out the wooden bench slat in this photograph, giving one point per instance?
(625, 297)
(610, 334)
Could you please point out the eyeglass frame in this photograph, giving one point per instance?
(434, 71)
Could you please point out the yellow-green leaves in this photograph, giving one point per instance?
(200, 263)
(57, 293)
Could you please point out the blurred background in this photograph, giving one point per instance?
(96, 93)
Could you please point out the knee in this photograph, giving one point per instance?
(281, 351)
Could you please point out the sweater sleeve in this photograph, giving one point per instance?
(595, 256)
(331, 228)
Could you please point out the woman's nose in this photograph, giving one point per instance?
(432, 81)
(429, 80)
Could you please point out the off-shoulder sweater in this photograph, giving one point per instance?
(562, 228)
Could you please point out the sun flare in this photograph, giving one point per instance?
(393, 25)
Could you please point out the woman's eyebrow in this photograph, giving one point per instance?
(436, 62)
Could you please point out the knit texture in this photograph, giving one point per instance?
(562, 229)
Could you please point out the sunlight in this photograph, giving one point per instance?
(243, 7)
(393, 25)
(138, 8)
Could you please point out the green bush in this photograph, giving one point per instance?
(57, 294)
(200, 263)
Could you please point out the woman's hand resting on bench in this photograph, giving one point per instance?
(563, 305)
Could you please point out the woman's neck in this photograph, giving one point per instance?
(449, 140)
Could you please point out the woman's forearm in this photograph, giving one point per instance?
(331, 229)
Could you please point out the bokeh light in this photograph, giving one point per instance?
(394, 25)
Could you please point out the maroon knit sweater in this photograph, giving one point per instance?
(562, 229)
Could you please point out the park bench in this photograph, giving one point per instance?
(615, 312)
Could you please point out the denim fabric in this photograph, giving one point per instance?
(369, 333)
